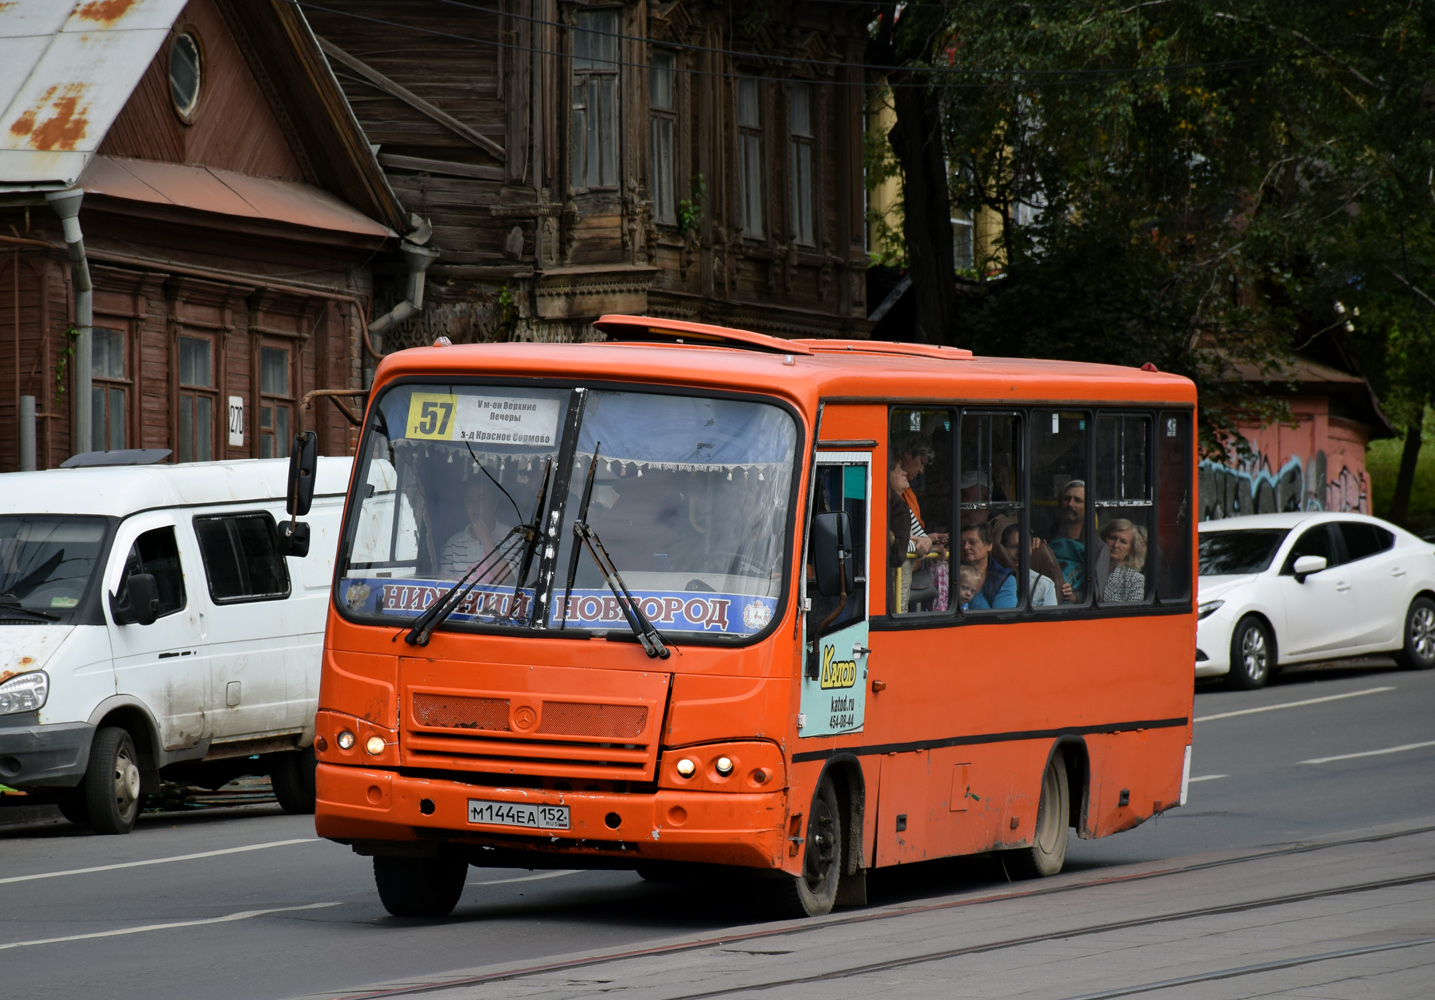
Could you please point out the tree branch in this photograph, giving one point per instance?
(1304, 38)
(1401, 278)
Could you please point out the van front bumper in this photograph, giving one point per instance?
(54, 756)
(362, 805)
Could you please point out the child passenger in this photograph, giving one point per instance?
(969, 581)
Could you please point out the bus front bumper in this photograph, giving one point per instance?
(368, 805)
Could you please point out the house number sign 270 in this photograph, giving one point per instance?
(236, 421)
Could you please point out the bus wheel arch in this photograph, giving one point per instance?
(813, 892)
(1077, 761)
(1046, 853)
(845, 773)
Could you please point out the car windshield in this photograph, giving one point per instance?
(46, 564)
(689, 495)
(1231, 552)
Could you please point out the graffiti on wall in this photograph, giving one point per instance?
(1256, 486)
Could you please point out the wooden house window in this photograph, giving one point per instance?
(196, 399)
(275, 405)
(802, 190)
(186, 68)
(663, 119)
(594, 146)
(107, 389)
(749, 156)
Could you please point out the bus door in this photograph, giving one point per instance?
(834, 675)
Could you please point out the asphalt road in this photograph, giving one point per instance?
(244, 902)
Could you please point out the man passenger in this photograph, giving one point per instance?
(1068, 543)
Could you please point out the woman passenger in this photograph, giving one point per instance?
(1127, 546)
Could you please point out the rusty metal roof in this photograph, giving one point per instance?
(225, 192)
(66, 71)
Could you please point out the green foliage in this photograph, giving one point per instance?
(690, 210)
(67, 352)
(1382, 465)
(1197, 183)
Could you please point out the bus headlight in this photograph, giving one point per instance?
(346, 740)
(686, 767)
(24, 693)
(723, 766)
(375, 745)
(1208, 609)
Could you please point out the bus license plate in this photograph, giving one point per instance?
(535, 817)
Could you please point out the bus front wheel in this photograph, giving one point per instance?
(420, 887)
(814, 892)
(1047, 852)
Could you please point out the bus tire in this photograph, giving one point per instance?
(112, 782)
(1419, 650)
(292, 775)
(1047, 852)
(1253, 654)
(814, 892)
(420, 887)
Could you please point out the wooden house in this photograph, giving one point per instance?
(229, 209)
(688, 159)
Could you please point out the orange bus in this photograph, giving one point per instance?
(700, 596)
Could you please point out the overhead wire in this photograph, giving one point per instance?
(1027, 76)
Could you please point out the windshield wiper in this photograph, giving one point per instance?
(637, 621)
(8, 606)
(439, 610)
(530, 533)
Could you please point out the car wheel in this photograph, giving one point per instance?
(112, 781)
(814, 892)
(420, 887)
(1047, 852)
(292, 775)
(1253, 655)
(1419, 651)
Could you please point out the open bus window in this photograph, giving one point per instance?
(1123, 508)
(919, 511)
(1059, 443)
(991, 502)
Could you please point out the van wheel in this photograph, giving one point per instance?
(112, 781)
(420, 887)
(814, 892)
(1252, 655)
(292, 775)
(1047, 852)
(1419, 651)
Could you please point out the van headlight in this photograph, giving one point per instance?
(24, 693)
(1208, 609)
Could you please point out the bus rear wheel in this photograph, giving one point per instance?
(814, 892)
(1047, 852)
(420, 887)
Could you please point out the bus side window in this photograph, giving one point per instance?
(1059, 446)
(1174, 505)
(1123, 557)
(919, 511)
(840, 488)
(992, 502)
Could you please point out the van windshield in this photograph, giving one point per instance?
(690, 496)
(46, 564)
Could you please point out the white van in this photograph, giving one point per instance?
(149, 628)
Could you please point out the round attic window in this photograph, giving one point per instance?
(184, 72)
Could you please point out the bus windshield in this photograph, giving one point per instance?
(690, 496)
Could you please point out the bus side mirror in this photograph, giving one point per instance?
(303, 462)
(832, 553)
(141, 606)
(292, 539)
(1306, 565)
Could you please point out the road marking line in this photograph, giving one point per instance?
(1368, 753)
(160, 861)
(529, 878)
(228, 918)
(1291, 704)
(1207, 777)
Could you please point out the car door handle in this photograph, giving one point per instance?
(1342, 586)
(1397, 571)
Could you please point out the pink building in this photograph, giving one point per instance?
(1318, 463)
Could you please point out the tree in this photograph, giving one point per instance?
(1195, 183)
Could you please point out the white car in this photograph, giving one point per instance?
(1277, 589)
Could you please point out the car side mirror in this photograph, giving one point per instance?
(1306, 565)
(292, 539)
(141, 605)
(832, 553)
(303, 463)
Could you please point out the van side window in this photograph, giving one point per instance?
(157, 553)
(241, 560)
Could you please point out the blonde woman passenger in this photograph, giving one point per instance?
(1126, 543)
